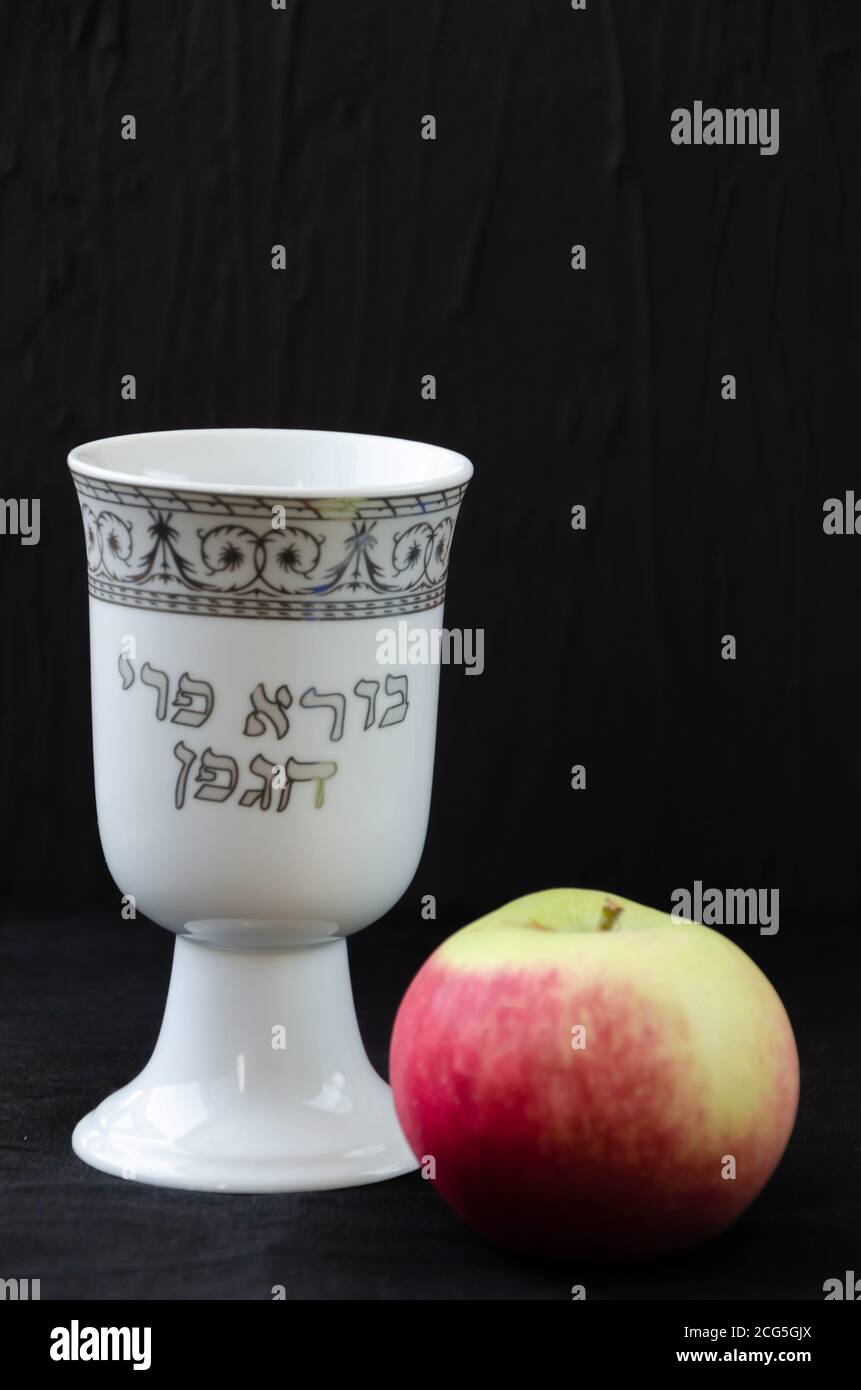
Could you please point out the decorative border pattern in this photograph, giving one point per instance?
(351, 558)
(261, 507)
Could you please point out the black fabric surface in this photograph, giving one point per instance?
(80, 1004)
(599, 387)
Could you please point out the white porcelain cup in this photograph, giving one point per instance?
(262, 778)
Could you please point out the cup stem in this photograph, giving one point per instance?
(259, 1081)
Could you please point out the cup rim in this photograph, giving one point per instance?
(456, 473)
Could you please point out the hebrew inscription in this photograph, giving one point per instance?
(261, 783)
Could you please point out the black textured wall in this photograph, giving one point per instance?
(452, 257)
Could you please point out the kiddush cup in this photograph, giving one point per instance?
(262, 780)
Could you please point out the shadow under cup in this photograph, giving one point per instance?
(263, 745)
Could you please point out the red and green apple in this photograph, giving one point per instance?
(584, 1076)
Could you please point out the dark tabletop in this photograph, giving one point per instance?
(80, 1005)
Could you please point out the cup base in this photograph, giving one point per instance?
(103, 1140)
(259, 1082)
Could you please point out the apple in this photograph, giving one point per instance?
(583, 1076)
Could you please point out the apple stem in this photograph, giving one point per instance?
(609, 914)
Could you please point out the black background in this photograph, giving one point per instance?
(603, 387)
